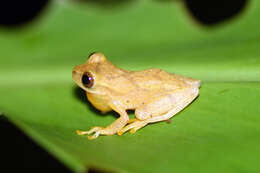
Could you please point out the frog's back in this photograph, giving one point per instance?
(157, 78)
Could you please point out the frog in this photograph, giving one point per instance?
(153, 94)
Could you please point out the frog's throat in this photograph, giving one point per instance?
(93, 91)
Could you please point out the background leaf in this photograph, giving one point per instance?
(218, 132)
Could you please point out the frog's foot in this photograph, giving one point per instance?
(133, 126)
(96, 130)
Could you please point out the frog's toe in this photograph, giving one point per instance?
(120, 132)
(132, 120)
(132, 131)
(138, 126)
(123, 130)
(128, 127)
(133, 127)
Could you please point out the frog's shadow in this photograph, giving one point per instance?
(80, 94)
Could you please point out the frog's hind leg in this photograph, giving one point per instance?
(180, 99)
(181, 103)
(134, 126)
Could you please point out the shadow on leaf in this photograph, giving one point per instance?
(80, 94)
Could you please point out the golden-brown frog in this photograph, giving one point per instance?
(154, 94)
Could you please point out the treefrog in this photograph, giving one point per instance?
(153, 94)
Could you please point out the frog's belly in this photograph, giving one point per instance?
(99, 102)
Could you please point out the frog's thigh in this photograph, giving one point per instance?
(179, 100)
(154, 107)
(161, 109)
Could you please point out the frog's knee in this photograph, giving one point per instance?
(195, 91)
(141, 114)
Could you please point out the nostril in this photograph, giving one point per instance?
(75, 75)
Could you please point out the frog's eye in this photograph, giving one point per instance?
(87, 80)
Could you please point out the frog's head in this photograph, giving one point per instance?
(94, 75)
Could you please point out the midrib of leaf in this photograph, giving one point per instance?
(216, 74)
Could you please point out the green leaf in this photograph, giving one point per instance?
(218, 132)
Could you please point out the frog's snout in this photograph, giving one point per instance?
(76, 76)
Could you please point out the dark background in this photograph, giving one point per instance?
(20, 153)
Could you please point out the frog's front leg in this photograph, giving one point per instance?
(112, 128)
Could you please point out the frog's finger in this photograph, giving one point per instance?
(92, 130)
(79, 132)
(94, 136)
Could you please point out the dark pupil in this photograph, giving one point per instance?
(86, 80)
